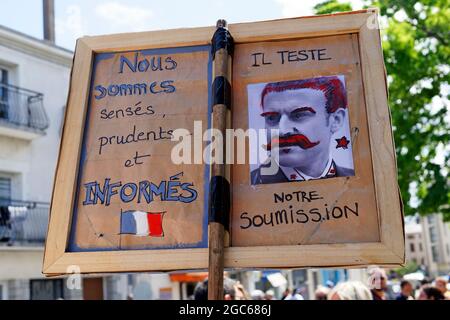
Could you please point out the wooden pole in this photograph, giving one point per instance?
(219, 206)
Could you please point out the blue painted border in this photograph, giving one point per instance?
(72, 247)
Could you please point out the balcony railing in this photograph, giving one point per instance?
(23, 223)
(22, 107)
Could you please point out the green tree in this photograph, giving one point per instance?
(410, 267)
(417, 54)
(332, 6)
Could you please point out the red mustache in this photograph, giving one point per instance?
(293, 140)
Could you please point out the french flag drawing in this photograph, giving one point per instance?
(142, 223)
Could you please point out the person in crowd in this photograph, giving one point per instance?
(270, 295)
(257, 295)
(430, 293)
(425, 282)
(321, 293)
(286, 293)
(406, 291)
(241, 293)
(295, 295)
(378, 283)
(330, 284)
(229, 291)
(350, 290)
(441, 284)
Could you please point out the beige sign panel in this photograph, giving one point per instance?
(336, 206)
(130, 195)
(315, 87)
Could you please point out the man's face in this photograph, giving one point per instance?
(441, 285)
(383, 282)
(298, 114)
(407, 289)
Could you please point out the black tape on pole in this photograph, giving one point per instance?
(219, 201)
(222, 39)
(221, 91)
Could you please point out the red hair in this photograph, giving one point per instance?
(331, 86)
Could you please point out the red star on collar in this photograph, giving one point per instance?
(342, 143)
(293, 176)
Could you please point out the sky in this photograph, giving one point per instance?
(75, 19)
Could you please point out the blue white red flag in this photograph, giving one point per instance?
(142, 223)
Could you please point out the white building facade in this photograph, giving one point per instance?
(428, 244)
(34, 79)
(415, 248)
(437, 240)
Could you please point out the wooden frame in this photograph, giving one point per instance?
(389, 251)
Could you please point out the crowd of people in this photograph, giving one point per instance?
(376, 288)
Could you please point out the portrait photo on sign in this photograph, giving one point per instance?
(307, 130)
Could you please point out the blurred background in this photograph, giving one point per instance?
(36, 51)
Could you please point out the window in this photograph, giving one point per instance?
(5, 216)
(3, 75)
(3, 290)
(433, 235)
(420, 247)
(5, 188)
(4, 93)
(434, 253)
(46, 289)
(411, 247)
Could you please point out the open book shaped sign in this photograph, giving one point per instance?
(312, 171)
